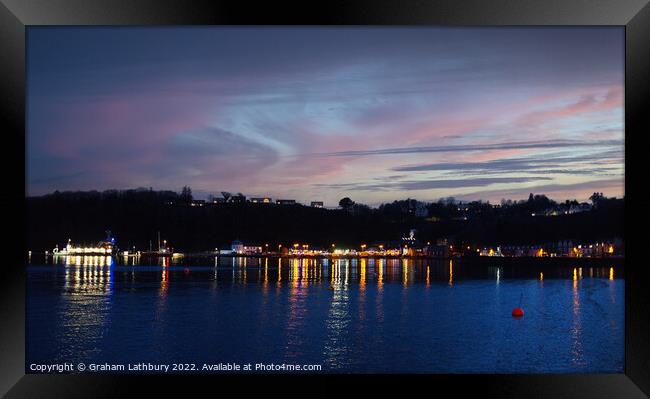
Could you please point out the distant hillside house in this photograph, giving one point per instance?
(238, 198)
(261, 200)
(582, 207)
(421, 210)
(317, 204)
(285, 202)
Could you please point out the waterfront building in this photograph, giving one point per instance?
(438, 251)
(237, 247)
(491, 252)
(563, 248)
(252, 249)
(317, 204)
(285, 202)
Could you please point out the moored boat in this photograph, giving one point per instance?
(105, 247)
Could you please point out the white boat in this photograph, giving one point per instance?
(106, 247)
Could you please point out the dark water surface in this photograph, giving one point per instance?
(356, 315)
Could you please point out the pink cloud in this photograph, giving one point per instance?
(587, 103)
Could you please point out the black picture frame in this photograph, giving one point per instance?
(16, 15)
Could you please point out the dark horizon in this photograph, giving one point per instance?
(206, 196)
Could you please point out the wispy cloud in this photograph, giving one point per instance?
(526, 164)
(554, 144)
(412, 185)
(580, 190)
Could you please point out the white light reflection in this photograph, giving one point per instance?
(338, 319)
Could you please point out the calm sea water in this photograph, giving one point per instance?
(357, 315)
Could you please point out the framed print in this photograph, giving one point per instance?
(422, 192)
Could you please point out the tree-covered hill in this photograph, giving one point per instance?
(135, 217)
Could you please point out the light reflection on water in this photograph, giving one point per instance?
(335, 351)
(401, 315)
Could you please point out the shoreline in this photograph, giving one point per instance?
(475, 259)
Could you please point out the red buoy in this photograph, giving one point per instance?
(186, 270)
(517, 312)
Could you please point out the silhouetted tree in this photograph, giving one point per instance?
(596, 199)
(186, 195)
(361, 209)
(346, 204)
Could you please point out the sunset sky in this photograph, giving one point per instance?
(376, 114)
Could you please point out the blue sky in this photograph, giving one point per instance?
(372, 113)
